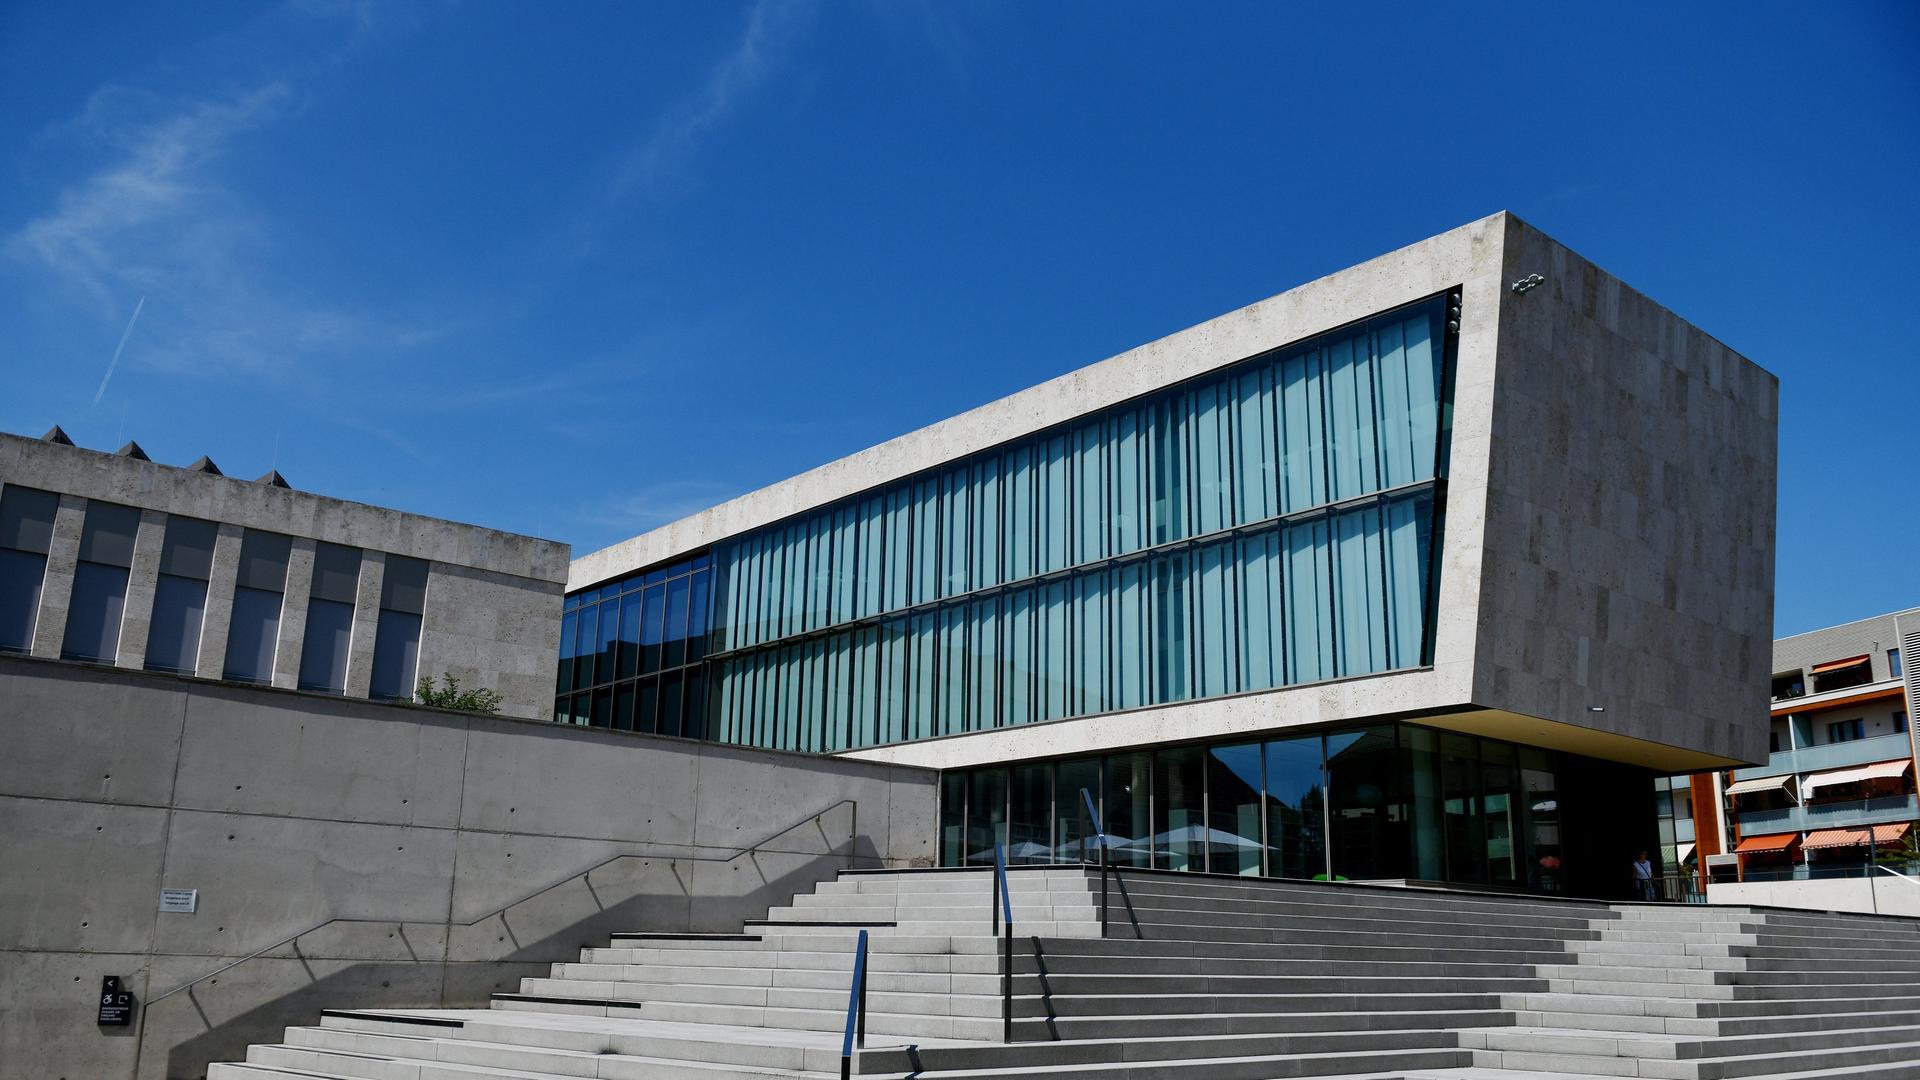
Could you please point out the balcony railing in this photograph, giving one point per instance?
(1838, 814)
(1830, 756)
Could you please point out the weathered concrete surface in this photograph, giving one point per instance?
(493, 598)
(453, 846)
(1882, 894)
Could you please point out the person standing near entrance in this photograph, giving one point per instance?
(1643, 878)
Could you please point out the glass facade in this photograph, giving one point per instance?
(1267, 525)
(259, 586)
(633, 651)
(329, 630)
(1391, 801)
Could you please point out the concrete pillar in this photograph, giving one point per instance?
(366, 621)
(219, 617)
(56, 592)
(136, 620)
(293, 614)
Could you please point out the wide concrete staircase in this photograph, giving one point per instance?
(1199, 977)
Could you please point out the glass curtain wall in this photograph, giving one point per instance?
(1268, 525)
(1376, 803)
(632, 652)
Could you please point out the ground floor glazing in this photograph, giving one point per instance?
(1389, 801)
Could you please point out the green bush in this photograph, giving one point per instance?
(450, 696)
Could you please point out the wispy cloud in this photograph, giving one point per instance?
(653, 505)
(661, 154)
(158, 219)
(118, 349)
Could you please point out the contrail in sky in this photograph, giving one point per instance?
(115, 362)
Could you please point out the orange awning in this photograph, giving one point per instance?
(1882, 770)
(1888, 834)
(1836, 665)
(1826, 838)
(1770, 842)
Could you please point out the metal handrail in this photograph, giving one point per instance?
(1908, 878)
(354, 919)
(1003, 902)
(856, 1009)
(1099, 831)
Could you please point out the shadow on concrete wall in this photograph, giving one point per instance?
(462, 963)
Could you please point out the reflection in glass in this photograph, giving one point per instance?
(1296, 809)
(1233, 810)
(1459, 785)
(986, 815)
(1497, 782)
(1073, 839)
(1179, 805)
(1030, 821)
(1368, 824)
(1128, 809)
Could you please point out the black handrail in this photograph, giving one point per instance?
(1003, 902)
(1100, 832)
(856, 1009)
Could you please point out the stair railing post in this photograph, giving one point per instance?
(1100, 832)
(856, 1009)
(1004, 894)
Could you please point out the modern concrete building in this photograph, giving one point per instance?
(1836, 794)
(116, 559)
(1419, 571)
(1416, 574)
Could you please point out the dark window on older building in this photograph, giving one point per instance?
(26, 530)
(1893, 664)
(180, 595)
(259, 587)
(1847, 730)
(323, 653)
(100, 582)
(396, 641)
(1790, 685)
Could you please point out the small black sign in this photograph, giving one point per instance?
(116, 1004)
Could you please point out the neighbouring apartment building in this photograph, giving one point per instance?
(1419, 571)
(1836, 793)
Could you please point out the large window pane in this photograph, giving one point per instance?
(1129, 809)
(1499, 784)
(252, 635)
(1540, 818)
(323, 654)
(1460, 787)
(21, 574)
(93, 615)
(396, 655)
(1296, 808)
(1073, 830)
(1368, 824)
(1030, 823)
(1233, 810)
(953, 818)
(986, 814)
(173, 638)
(1179, 809)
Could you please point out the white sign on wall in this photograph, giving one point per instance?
(185, 901)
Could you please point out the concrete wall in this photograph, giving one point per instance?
(493, 598)
(1881, 895)
(1628, 546)
(458, 843)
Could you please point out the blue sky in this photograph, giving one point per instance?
(575, 270)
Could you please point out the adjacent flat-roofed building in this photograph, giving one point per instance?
(1421, 570)
(116, 559)
(1836, 792)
